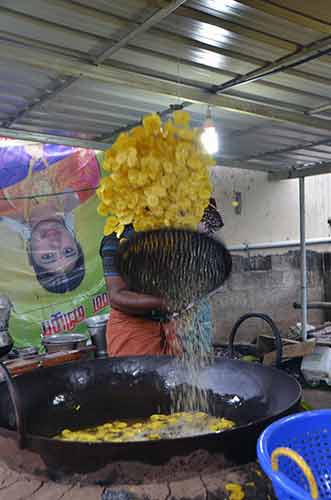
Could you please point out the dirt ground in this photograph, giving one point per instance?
(212, 483)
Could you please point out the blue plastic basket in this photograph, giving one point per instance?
(308, 434)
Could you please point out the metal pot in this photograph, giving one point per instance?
(97, 329)
(6, 342)
(5, 309)
(64, 342)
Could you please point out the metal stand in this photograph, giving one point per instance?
(303, 259)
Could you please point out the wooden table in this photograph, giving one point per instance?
(20, 366)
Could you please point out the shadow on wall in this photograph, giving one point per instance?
(270, 284)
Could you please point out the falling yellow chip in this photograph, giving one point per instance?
(147, 167)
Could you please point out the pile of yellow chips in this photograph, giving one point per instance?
(156, 427)
(158, 177)
(235, 491)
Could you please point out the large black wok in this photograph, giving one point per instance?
(91, 392)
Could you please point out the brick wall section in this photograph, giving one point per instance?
(269, 284)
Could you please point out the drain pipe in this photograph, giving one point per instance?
(303, 259)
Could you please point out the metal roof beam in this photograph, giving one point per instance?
(308, 76)
(163, 114)
(313, 51)
(155, 31)
(124, 22)
(289, 15)
(295, 173)
(46, 94)
(262, 37)
(109, 49)
(303, 145)
(104, 52)
(106, 73)
(97, 120)
(23, 135)
(246, 165)
(320, 109)
(132, 26)
(258, 110)
(235, 27)
(181, 39)
(60, 127)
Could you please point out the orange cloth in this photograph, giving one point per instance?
(136, 336)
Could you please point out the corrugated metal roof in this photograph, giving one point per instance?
(241, 13)
(318, 9)
(57, 76)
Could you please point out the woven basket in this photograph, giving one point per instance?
(179, 265)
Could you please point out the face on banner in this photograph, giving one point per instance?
(49, 238)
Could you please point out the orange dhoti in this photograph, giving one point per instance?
(137, 336)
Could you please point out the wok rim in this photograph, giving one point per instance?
(84, 444)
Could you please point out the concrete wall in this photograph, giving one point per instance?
(270, 210)
(269, 281)
(270, 285)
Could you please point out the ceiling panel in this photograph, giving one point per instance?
(50, 83)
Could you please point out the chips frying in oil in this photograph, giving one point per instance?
(158, 426)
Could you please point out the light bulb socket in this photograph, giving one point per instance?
(209, 123)
(236, 202)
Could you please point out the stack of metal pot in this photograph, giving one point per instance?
(97, 329)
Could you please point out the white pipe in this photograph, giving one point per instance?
(303, 259)
(277, 244)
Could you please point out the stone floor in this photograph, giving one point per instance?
(216, 486)
(317, 398)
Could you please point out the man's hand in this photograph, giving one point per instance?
(129, 302)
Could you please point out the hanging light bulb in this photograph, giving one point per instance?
(209, 136)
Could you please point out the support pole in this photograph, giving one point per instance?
(303, 259)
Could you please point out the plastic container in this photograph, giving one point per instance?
(300, 447)
(317, 366)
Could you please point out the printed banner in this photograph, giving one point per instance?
(50, 236)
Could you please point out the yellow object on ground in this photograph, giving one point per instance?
(235, 491)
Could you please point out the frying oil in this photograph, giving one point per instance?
(158, 426)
